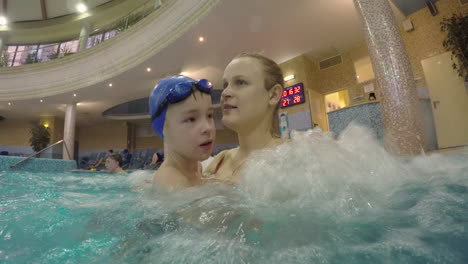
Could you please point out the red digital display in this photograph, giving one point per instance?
(292, 95)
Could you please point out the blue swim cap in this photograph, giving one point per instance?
(158, 96)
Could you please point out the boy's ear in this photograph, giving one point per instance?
(275, 94)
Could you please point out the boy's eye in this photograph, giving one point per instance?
(189, 120)
(241, 82)
(225, 84)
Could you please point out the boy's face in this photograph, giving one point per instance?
(189, 129)
(111, 164)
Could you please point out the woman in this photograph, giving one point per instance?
(252, 90)
(114, 163)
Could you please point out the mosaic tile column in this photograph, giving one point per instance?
(69, 132)
(399, 101)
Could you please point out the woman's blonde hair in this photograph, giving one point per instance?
(273, 76)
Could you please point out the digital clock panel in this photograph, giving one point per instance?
(292, 95)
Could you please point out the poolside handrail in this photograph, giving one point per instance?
(40, 151)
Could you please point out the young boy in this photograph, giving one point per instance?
(182, 115)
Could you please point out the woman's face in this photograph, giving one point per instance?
(244, 101)
(111, 164)
(189, 129)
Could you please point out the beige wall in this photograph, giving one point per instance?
(148, 143)
(426, 39)
(15, 133)
(306, 71)
(56, 126)
(112, 135)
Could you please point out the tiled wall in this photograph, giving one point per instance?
(426, 39)
(36, 165)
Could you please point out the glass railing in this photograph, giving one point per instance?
(16, 55)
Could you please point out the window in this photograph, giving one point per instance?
(337, 100)
(69, 47)
(47, 52)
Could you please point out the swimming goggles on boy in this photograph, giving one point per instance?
(180, 92)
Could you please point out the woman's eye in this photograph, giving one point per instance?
(225, 84)
(189, 120)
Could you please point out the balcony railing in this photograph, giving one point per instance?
(17, 55)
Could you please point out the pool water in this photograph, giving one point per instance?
(315, 200)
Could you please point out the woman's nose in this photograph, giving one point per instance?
(226, 93)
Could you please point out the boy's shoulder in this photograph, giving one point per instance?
(171, 178)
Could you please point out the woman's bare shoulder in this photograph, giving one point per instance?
(210, 169)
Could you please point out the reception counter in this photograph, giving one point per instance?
(369, 115)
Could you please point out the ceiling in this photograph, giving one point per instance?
(281, 31)
(33, 10)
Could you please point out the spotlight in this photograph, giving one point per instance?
(41, 100)
(201, 39)
(110, 84)
(81, 8)
(3, 21)
(74, 95)
(9, 103)
(148, 69)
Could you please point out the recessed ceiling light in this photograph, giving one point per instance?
(41, 100)
(201, 39)
(3, 21)
(9, 103)
(289, 77)
(110, 84)
(357, 76)
(148, 69)
(81, 8)
(74, 95)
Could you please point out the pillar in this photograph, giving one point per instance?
(69, 132)
(84, 35)
(399, 101)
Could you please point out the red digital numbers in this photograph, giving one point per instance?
(292, 95)
(296, 99)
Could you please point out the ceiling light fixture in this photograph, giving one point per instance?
(110, 84)
(78, 104)
(81, 8)
(201, 39)
(289, 77)
(3, 21)
(9, 103)
(41, 100)
(74, 95)
(148, 69)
